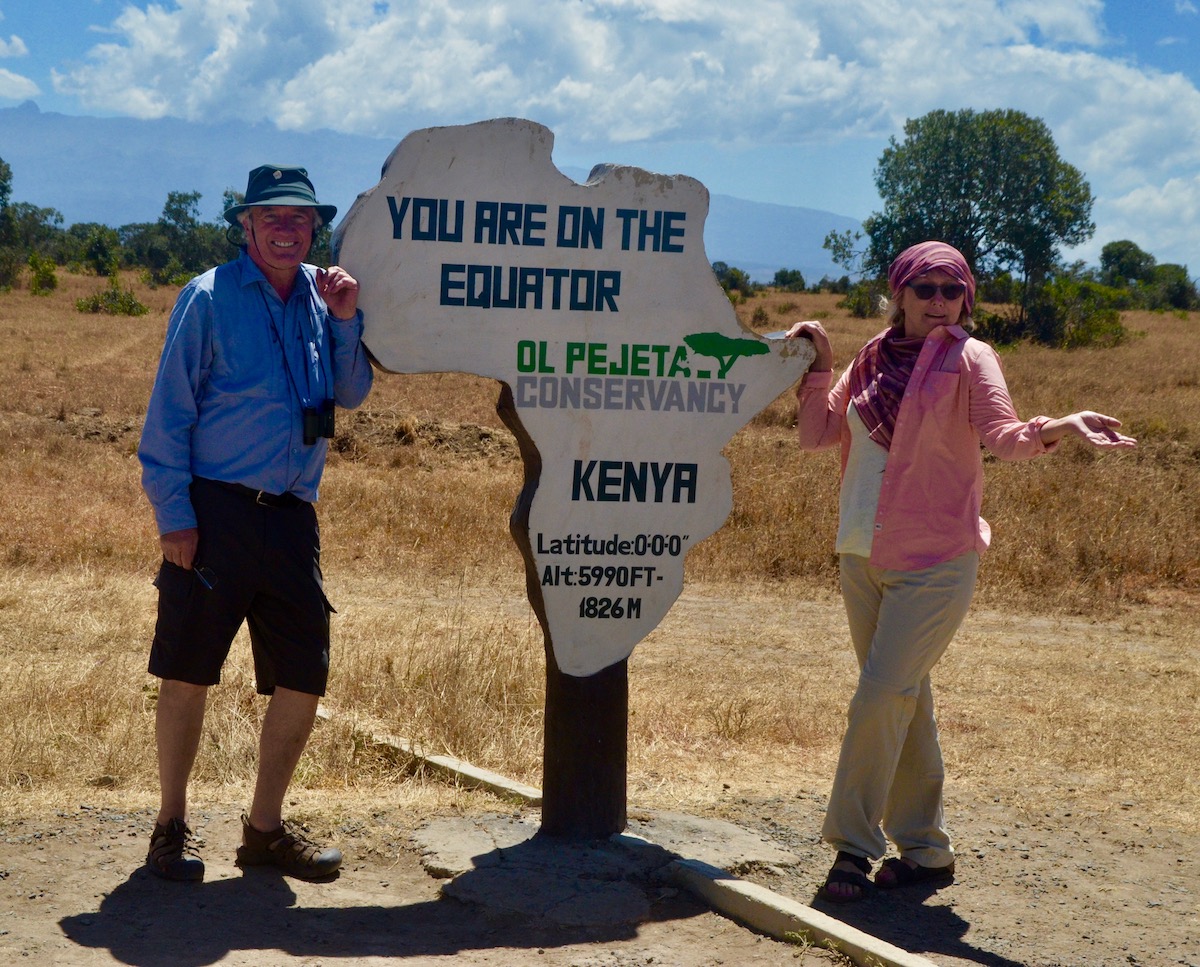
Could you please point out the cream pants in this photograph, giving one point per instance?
(890, 774)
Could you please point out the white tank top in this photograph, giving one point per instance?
(861, 485)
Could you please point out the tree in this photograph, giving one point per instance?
(178, 245)
(733, 279)
(193, 244)
(1074, 310)
(990, 183)
(24, 228)
(180, 218)
(5, 184)
(10, 257)
(100, 248)
(790, 280)
(865, 297)
(34, 229)
(1171, 287)
(1124, 264)
(146, 246)
(842, 248)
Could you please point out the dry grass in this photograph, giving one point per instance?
(1075, 672)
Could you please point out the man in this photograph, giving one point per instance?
(257, 353)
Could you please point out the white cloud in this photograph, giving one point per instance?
(1106, 116)
(1060, 22)
(1160, 218)
(14, 87)
(206, 59)
(602, 73)
(600, 70)
(13, 47)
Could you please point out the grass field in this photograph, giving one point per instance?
(1086, 618)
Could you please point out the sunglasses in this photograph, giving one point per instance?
(950, 291)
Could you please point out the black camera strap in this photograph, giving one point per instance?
(307, 400)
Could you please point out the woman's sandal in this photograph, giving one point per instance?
(858, 880)
(904, 875)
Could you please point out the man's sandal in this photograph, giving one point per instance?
(895, 873)
(288, 849)
(175, 852)
(847, 878)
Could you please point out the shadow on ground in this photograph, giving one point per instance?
(150, 922)
(903, 918)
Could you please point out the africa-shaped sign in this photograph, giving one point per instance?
(597, 307)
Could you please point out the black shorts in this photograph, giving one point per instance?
(263, 565)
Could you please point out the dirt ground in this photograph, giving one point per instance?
(1057, 890)
(73, 892)
(1049, 880)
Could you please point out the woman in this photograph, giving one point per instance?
(909, 413)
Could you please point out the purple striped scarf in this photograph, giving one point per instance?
(878, 379)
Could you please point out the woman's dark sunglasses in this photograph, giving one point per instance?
(950, 291)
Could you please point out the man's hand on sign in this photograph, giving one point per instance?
(339, 289)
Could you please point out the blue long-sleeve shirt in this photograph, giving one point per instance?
(237, 370)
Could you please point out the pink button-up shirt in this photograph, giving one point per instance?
(933, 482)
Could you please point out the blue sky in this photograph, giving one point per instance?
(770, 100)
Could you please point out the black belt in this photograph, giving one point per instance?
(263, 497)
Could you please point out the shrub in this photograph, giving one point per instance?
(172, 273)
(113, 300)
(1170, 288)
(11, 264)
(863, 300)
(1001, 328)
(102, 250)
(1071, 312)
(44, 280)
(1000, 288)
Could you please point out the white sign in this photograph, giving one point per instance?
(597, 305)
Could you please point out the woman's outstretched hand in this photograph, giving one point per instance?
(1096, 428)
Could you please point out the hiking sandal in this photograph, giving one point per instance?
(287, 849)
(846, 877)
(901, 874)
(174, 852)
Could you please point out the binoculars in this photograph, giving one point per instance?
(318, 422)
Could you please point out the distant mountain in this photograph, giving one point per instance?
(760, 238)
(119, 170)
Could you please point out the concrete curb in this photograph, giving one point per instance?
(466, 773)
(457, 769)
(748, 903)
(777, 916)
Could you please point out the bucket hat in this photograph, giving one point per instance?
(280, 185)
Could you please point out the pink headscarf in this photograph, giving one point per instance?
(916, 260)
